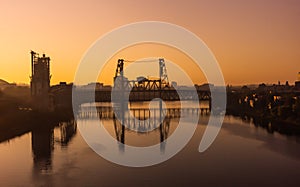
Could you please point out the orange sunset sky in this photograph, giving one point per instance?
(254, 41)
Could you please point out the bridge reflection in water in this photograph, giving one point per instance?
(139, 118)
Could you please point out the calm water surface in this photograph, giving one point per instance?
(242, 155)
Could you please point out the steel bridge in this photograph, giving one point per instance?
(138, 94)
(142, 89)
(140, 119)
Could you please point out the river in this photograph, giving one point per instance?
(243, 154)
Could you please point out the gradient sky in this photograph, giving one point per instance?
(254, 41)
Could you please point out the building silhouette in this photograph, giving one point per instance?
(40, 81)
(297, 83)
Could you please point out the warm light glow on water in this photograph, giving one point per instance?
(253, 156)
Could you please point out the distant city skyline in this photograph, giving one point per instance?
(253, 41)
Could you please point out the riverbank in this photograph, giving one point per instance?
(14, 123)
(289, 126)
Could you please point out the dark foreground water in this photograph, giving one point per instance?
(241, 155)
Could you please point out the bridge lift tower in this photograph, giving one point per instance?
(163, 76)
(122, 83)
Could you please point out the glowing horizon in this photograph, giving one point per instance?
(254, 41)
